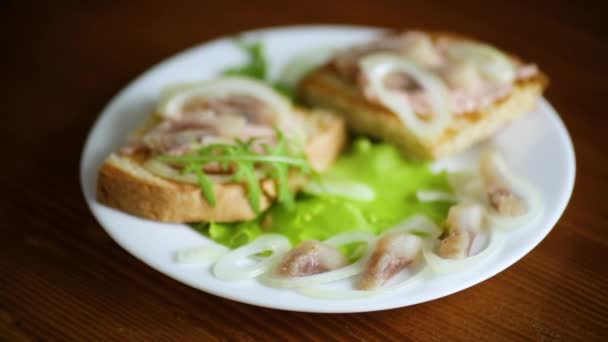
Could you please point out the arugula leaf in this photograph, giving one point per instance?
(205, 183)
(257, 65)
(244, 159)
(280, 173)
(245, 173)
(285, 89)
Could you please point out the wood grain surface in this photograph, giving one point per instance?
(63, 278)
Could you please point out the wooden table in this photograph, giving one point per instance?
(63, 278)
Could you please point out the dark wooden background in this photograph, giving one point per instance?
(63, 278)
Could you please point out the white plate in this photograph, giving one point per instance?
(538, 147)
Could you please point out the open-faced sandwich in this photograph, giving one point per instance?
(432, 94)
(236, 140)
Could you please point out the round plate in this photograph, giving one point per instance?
(537, 147)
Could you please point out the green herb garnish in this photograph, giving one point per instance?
(257, 67)
(283, 88)
(275, 160)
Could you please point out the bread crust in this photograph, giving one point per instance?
(326, 89)
(122, 183)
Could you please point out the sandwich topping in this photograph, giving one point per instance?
(393, 253)
(464, 222)
(196, 115)
(475, 75)
(206, 121)
(227, 130)
(311, 257)
(387, 76)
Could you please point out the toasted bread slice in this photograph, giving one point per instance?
(325, 88)
(124, 184)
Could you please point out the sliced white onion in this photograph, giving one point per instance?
(535, 208)
(349, 237)
(494, 64)
(172, 105)
(413, 280)
(330, 276)
(377, 66)
(228, 268)
(405, 239)
(441, 265)
(200, 254)
(467, 186)
(417, 224)
(315, 279)
(435, 196)
(297, 67)
(341, 188)
(327, 293)
(519, 186)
